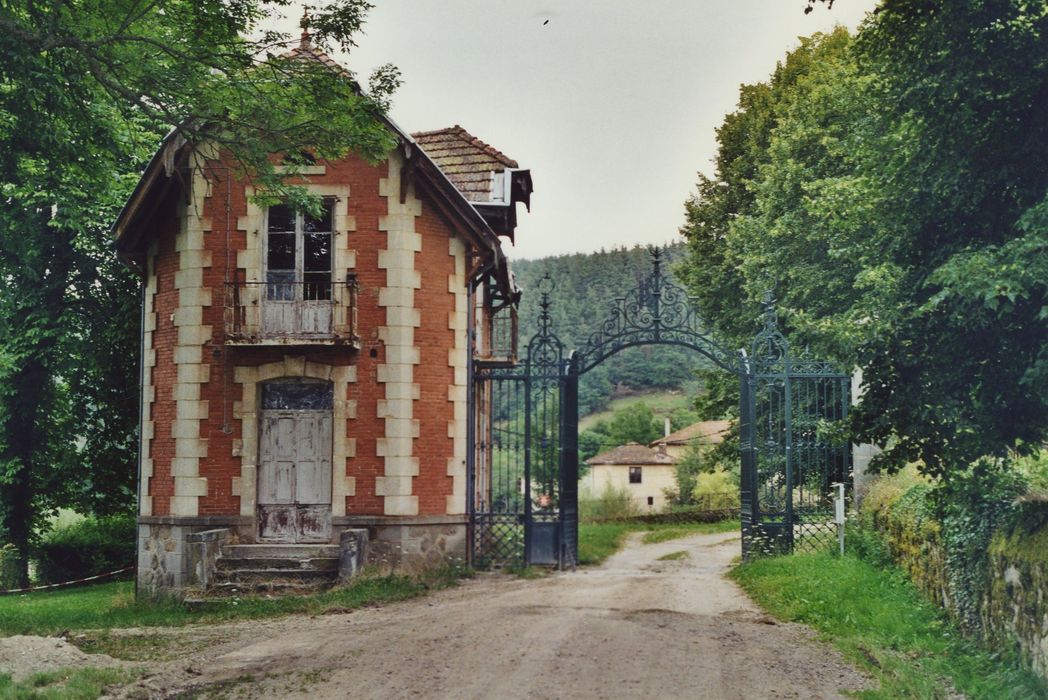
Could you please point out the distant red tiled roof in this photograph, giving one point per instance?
(466, 160)
(711, 432)
(631, 453)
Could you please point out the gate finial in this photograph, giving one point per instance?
(769, 316)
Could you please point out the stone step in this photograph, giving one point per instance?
(224, 563)
(228, 588)
(280, 551)
(263, 575)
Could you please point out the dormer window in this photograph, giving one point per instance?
(298, 255)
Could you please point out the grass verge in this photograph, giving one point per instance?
(67, 684)
(113, 605)
(876, 617)
(598, 541)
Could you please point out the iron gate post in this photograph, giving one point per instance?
(569, 464)
(749, 505)
(528, 515)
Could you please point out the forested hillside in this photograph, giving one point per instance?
(584, 284)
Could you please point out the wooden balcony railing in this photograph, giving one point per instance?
(292, 313)
(497, 342)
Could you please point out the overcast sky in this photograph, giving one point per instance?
(612, 104)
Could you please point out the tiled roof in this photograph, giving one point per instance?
(631, 453)
(466, 160)
(708, 431)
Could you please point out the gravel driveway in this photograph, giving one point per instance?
(637, 627)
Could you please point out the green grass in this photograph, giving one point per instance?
(674, 556)
(667, 532)
(881, 623)
(598, 541)
(113, 605)
(662, 403)
(67, 684)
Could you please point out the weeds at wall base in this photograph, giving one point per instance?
(879, 620)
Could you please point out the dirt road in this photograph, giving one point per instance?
(638, 627)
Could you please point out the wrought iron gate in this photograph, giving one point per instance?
(790, 456)
(523, 455)
(523, 509)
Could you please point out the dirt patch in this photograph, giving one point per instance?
(23, 655)
(636, 627)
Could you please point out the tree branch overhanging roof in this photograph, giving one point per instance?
(130, 238)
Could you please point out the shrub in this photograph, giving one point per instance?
(9, 569)
(716, 490)
(1034, 468)
(85, 548)
(611, 504)
(972, 506)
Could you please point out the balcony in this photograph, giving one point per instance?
(292, 313)
(496, 342)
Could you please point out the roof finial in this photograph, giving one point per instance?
(305, 43)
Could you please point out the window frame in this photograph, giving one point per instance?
(299, 283)
(636, 472)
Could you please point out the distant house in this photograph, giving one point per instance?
(707, 432)
(648, 471)
(643, 471)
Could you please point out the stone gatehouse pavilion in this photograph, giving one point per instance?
(304, 379)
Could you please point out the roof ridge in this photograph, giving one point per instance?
(472, 140)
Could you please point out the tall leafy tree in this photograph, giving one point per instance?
(86, 89)
(893, 196)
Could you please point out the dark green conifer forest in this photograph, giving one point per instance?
(584, 287)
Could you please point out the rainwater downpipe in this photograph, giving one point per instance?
(141, 404)
(471, 403)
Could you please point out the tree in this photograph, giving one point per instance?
(891, 189)
(635, 423)
(87, 90)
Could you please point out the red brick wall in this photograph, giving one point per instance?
(221, 429)
(165, 301)
(433, 374)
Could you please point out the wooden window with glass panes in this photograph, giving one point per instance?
(298, 254)
(298, 258)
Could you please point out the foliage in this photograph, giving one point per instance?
(942, 533)
(10, 567)
(67, 684)
(881, 623)
(113, 605)
(699, 459)
(973, 506)
(91, 546)
(1033, 468)
(87, 90)
(717, 489)
(891, 189)
(610, 503)
(584, 285)
(634, 423)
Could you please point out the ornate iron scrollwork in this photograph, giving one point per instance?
(545, 350)
(658, 312)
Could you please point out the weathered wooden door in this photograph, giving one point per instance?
(294, 475)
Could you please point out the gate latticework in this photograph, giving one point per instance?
(523, 509)
(523, 456)
(790, 459)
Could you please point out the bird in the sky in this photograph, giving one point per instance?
(545, 23)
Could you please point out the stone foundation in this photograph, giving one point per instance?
(179, 553)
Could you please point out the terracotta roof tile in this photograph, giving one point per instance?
(466, 160)
(709, 431)
(631, 453)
